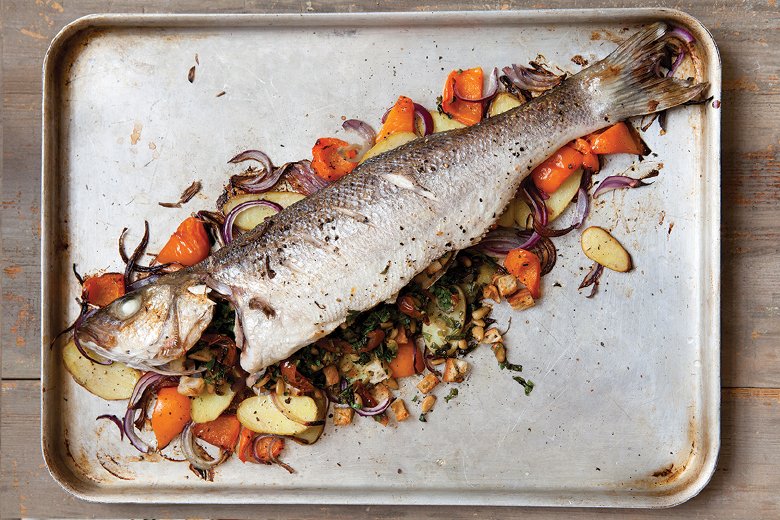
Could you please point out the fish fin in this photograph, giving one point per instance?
(405, 182)
(628, 83)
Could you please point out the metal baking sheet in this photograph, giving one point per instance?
(625, 412)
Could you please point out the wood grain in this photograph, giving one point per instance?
(745, 483)
(747, 479)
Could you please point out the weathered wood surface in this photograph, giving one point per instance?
(748, 477)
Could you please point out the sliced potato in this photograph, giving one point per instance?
(389, 143)
(522, 214)
(207, 407)
(601, 247)
(559, 199)
(518, 213)
(111, 382)
(443, 324)
(442, 122)
(503, 102)
(507, 218)
(250, 218)
(260, 415)
(312, 433)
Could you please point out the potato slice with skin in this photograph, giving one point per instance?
(507, 218)
(112, 382)
(312, 433)
(503, 102)
(260, 415)
(207, 407)
(389, 143)
(559, 199)
(250, 218)
(442, 122)
(442, 324)
(601, 247)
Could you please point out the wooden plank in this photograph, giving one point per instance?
(747, 34)
(745, 483)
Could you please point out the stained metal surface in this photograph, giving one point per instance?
(625, 412)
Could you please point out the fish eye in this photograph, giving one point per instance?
(128, 307)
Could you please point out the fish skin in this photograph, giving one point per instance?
(360, 240)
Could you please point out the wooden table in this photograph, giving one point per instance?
(747, 481)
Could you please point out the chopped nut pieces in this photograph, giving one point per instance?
(480, 313)
(492, 336)
(428, 402)
(499, 350)
(478, 333)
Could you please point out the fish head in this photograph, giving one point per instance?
(153, 325)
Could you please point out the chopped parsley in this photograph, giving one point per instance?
(215, 372)
(422, 418)
(224, 319)
(527, 384)
(443, 297)
(453, 393)
(415, 398)
(510, 366)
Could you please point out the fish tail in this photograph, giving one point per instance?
(628, 83)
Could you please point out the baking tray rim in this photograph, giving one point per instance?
(611, 497)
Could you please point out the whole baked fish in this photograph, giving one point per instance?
(363, 238)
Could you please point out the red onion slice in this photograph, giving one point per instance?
(114, 419)
(420, 344)
(592, 278)
(301, 176)
(256, 183)
(132, 436)
(254, 155)
(682, 34)
(190, 449)
(366, 134)
(540, 218)
(616, 182)
(270, 451)
(230, 218)
(501, 240)
(145, 382)
(375, 410)
(488, 93)
(535, 79)
(426, 118)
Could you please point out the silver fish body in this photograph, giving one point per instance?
(362, 239)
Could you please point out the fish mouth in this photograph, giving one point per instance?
(92, 339)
